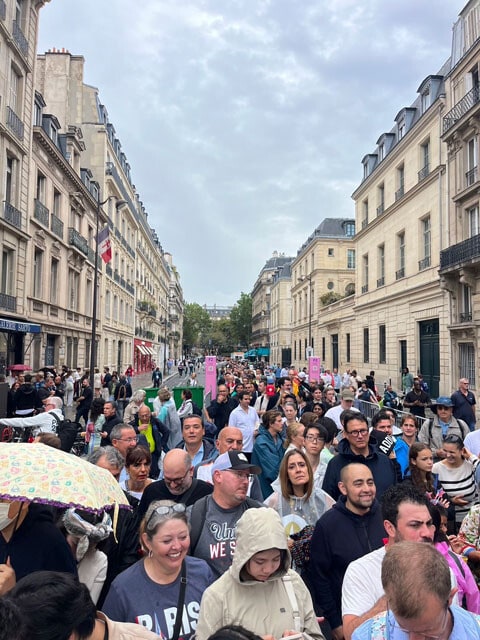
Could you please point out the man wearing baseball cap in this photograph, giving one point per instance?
(213, 519)
(347, 399)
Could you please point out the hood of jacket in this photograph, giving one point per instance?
(345, 450)
(27, 388)
(259, 530)
(341, 507)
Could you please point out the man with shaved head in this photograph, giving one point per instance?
(356, 518)
(229, 439)
(178, 483)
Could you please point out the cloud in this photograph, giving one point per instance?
(245, 121)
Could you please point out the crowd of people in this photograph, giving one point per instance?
(280, 509)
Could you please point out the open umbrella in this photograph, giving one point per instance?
(38, 473)
(18, 367)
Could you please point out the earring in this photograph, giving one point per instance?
(150, 553)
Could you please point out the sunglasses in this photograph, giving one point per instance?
(166, 510)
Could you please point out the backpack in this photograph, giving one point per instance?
(463, 427)
(196, 411)
(66, 430)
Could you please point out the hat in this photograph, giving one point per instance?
(346, 394)
(235, 460)
(302, 375)
(443, 401)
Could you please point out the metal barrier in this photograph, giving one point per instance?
(369, 409)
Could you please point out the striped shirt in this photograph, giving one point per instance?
(459, 481)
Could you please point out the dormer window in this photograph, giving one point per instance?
(401, 129)
(381, 152)
(425, 99)
(54, 132)
(350, 229)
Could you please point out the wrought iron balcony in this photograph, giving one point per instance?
(466, 251)
(3, 10)
(364, 223)
(380, 209)
(9, 303)
(381, 281)
(423, 173)
(20, 39)
(14, 123)
(365, 288)
(12, 215)
(466, 316)
(77, 241)
(400, 273)
(469, 100)
(471, 177)
(41, 213)
(399, 193)
(56, 226)
(424, 264)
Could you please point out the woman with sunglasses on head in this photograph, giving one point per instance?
(162, 592)
(456, 472)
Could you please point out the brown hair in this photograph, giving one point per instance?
(137, 455)
(286, 483)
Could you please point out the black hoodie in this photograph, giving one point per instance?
(340, 537)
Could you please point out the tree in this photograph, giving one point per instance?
(241, 320)
(196, 325)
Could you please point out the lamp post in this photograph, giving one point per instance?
(302, 279)
(93, 343)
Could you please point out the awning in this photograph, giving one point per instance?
(150, 351)
(250, 354)
(141, 349)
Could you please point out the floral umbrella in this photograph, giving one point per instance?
(38, 473)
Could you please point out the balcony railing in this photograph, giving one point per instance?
(400, 273)
(399, 193)
(381, 281)
(9, 303)
(3, 10)
(364, 223)
(130, 288)
(424, 264)
(466, 316)
(462, 252)
(77, 241)
(423, 173)
(469, 100)
(380, 209)
(20, 39)
(471, 176)
(12, 215)
(14, 123)
(56, 226)
(41, 213)
(365, 288)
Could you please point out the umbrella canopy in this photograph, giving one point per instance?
(38, 473)
(18, 367)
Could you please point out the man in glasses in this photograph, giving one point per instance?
(434, 432)
(355, 447)
(419, 599)
(213, 519)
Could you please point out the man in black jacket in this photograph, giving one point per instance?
(111, 420)
(352, 528)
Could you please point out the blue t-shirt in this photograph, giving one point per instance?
(134, 597)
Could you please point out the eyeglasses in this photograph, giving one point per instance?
(357, 433)
(176, 480)
(241, 475)
(314, 439)
(131, 439)
(167, 510)
(442, 407)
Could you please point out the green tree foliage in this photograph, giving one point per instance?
(196, 325)
(241, 320)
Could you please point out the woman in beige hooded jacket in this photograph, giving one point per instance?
(254, 592)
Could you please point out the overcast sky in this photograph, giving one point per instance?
(245, 121)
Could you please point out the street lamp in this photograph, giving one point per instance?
(302, 279)
(93, 343)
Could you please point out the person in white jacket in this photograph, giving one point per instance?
(259, 591)
(45, 422)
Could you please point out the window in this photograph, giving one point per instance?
(402, 127)
(381, 199)
(54, 132)
(471, 175)
(365, 213)
(88, 297)
(350, 229)
(41, 187)
(466, 357)
(427, 243)
(107, 303)
(324, 349)
(115, 308)
(473, 221)
(54, 281)
(73, 289)
(365, 273)
(382, 344)
(400, 182)
(75, 220)
(37, 272)
(381, 266)
(347, 347)
(381, 152)
(466, 303)
(294, 349)
(401, 255)
(15, 87)
(350, 258)
(57, 203)
(330, 253)
(425, 100)
(8, 265)
(424, 160)
(366, 344)
(10, 176)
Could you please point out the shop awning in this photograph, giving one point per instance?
(150, 351)
(142, 349)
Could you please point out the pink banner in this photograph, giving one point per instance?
(314, 368)
(211, 376)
